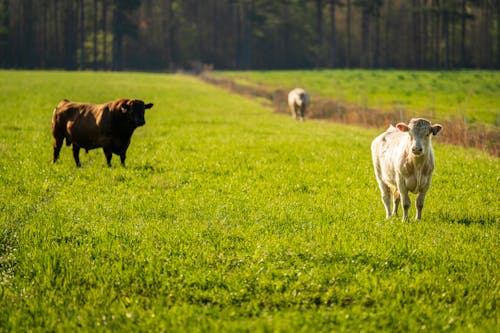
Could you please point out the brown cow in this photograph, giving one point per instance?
(91, 126)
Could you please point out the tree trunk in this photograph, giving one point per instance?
(436, 36)
(333, 42)
(42, 34)
(365, 37)
(117, 56)
(244, 36)
(446, 35)
(497, 4)
(26, 50)
(417, 58)
(387, 34)
(95, 34)
(69, 33)
(349, 35)
(55, 40)
(104, 34)
(376, 55)
(169, 33)
(82, 34)
(425, 35)
(4, 36)
(319, 32)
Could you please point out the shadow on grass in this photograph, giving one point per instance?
(469, 219)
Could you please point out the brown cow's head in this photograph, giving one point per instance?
(134, 110)
(420, 131)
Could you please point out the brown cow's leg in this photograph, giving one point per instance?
(122, 158)
(76, 152)
(58, 142)
(108, 153)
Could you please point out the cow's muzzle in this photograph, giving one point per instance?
(417, 150)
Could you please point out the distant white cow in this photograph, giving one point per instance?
(404, 161)
(298, 101)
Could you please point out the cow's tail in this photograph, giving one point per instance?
(58, 124)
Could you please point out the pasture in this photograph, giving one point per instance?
(229, 217)
(444, 95)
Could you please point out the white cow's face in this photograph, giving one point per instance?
(419, 131)
(300, 99)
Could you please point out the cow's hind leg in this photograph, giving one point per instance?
(385, 192)
(76, 153)
(292, 110)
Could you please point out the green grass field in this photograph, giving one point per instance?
(474, 95)
(229, 217)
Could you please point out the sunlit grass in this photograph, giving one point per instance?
(440, 95)
(229, 217)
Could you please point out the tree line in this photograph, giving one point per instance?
(249, 34)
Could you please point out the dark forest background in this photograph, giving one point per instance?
(249, 34)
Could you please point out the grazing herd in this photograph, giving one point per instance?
(402, 156)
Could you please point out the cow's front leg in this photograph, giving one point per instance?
(420, 205)
(108, 152)
(405, 200)
(76, 153)
(122, 158)
(297, 112)
(397, 200)
(58, 142)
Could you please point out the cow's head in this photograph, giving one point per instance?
(134, 110)
(420, 131)
(301, 99)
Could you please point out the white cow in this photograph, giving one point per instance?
(404, 161)
(298, 101)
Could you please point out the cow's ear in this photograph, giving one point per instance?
(148, 106)
(402, 127)
(435, 129)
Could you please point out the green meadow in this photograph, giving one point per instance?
(230, 217)
(473, 95)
